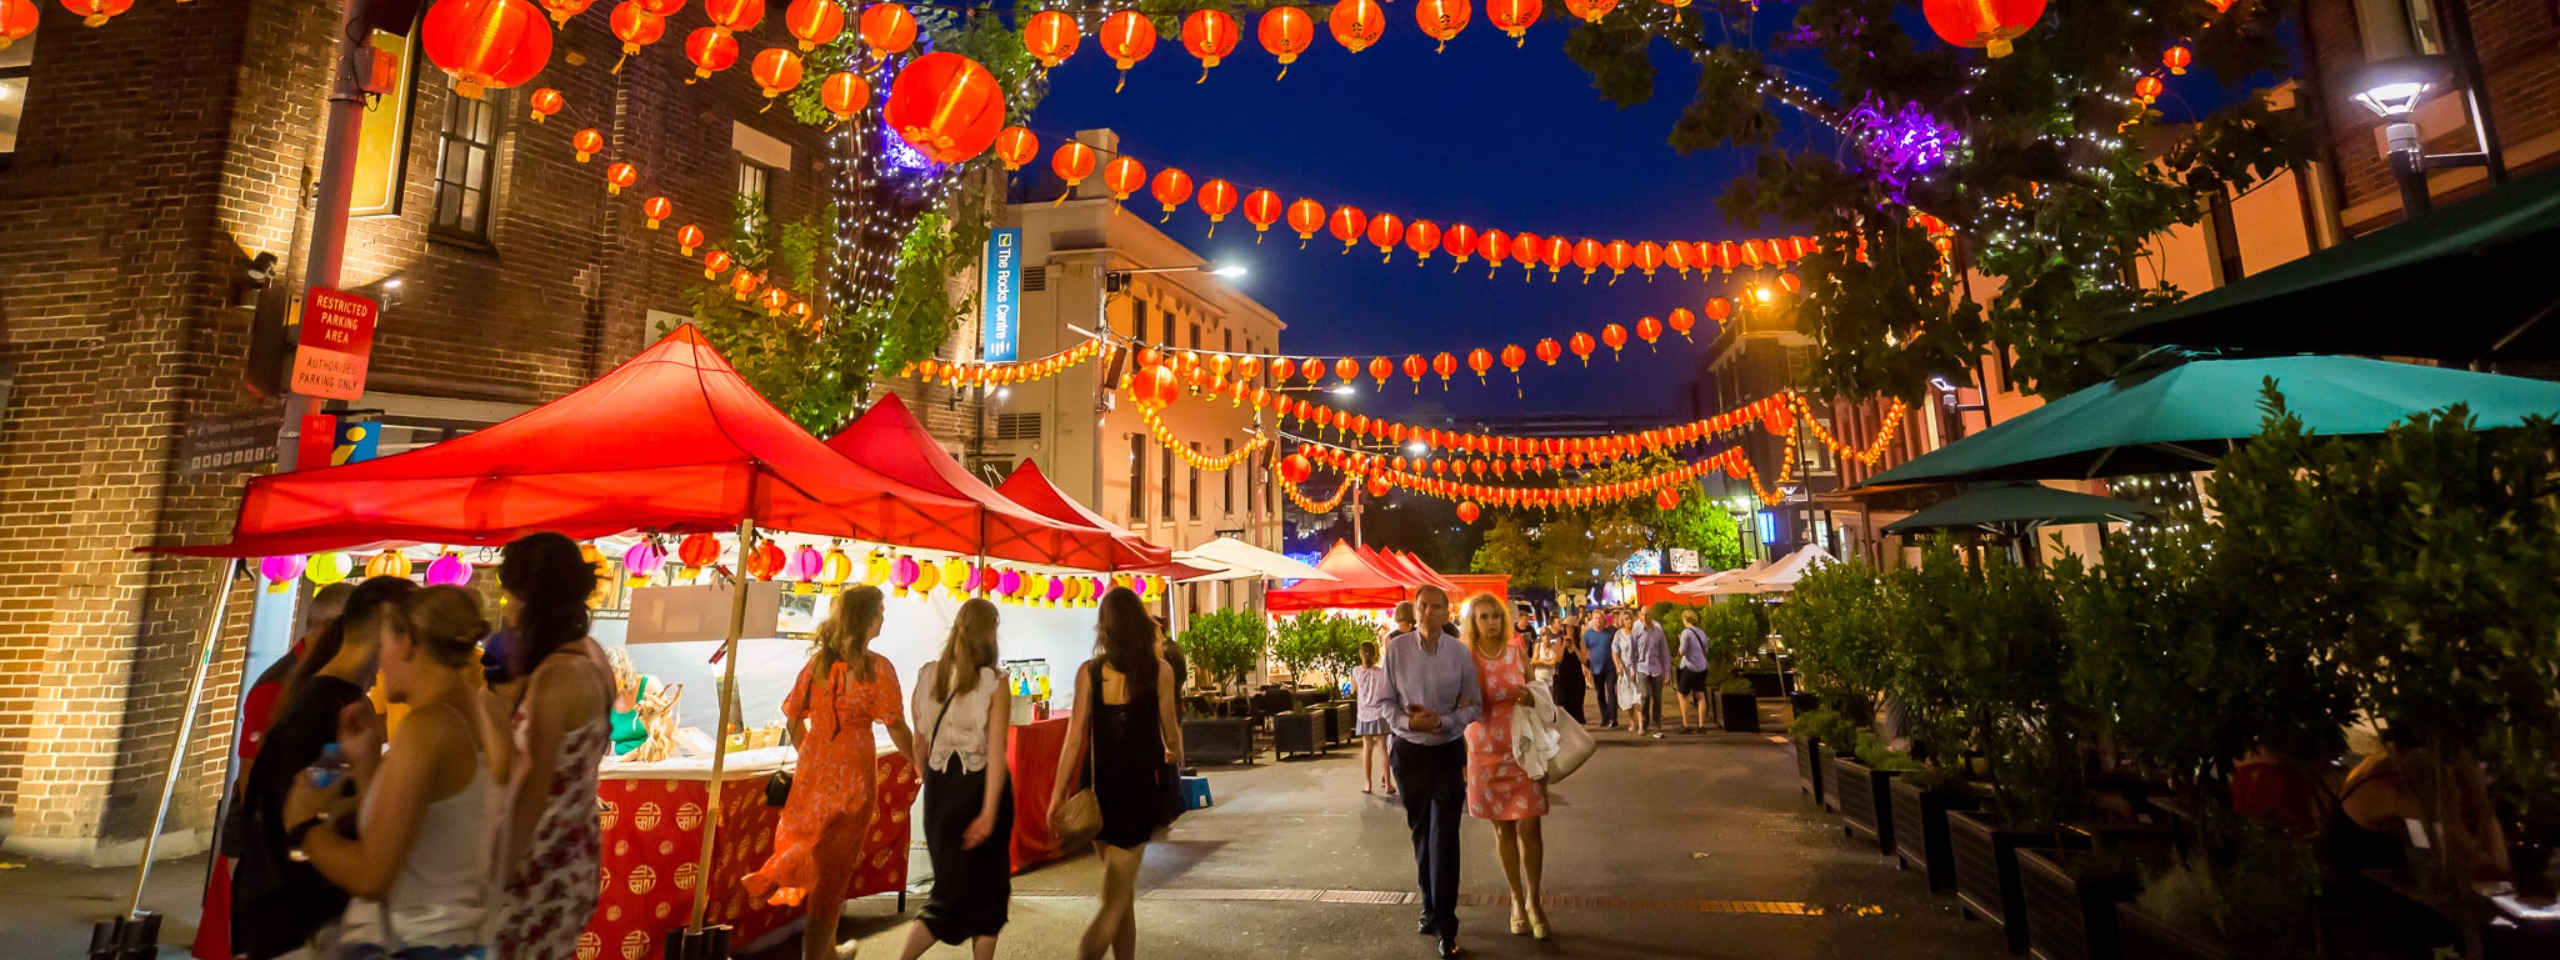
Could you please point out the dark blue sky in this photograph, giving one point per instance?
(1486, 133)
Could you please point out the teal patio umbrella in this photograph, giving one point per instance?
(2173, 412)
(2466, 283)
(2015, 509)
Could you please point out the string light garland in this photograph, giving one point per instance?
(1313, 506)
(1253, 443)
(1355, 466)
(980, 373)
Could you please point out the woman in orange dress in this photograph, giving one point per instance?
(843, 691)
(1498, 789)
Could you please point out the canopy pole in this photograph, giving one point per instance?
(720, 738)
(186, 731)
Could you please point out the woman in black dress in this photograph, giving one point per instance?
(964, 713)
(1571, 674)
(1125, 703)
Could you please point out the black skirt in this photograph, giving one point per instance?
(970, 887)
(1568, 686)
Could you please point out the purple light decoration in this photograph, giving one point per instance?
(1900, 145)
(901, 157)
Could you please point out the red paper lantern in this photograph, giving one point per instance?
(775, 70)
(1051, 37)
(483, 44)
(1480, 360)
(1262, 209)
(1613, 335)
(776, 300)
(1551, 351)
(733, 15)
(699, 550)
(888, 29)
(1582, 345)
(1422, 237)
(946, 106)
(1347, 223)
(1414, 368)
(1649, 329)
(1648, 257)
(844, 93)
(1590, 10)
(1383, 369)
(1790, 283)
(1306, 216)
(1155, 386)
(1524, 248)
(1128, 36)
(1357, 23)
(1216, 198)
(815, 23)
(618, 176)
(1346, 370)
(1514, 17)
(1124, 176)
(2177, 58)
(743, 284)
(1619, 255)
(715, 263)
(1171, 188)
(1588, 255)
(1468, 511)
(637, 26)
(1210, 35)
(1072, 162)
(1444, 365)
(1286, 32)
(1681, 255)
(1557, 252)
(711, 49)
(1442, 19)
(2148, 88)
(1016, 146)
(1282, 369)
(543, 103)
(96, 13)
(765, 561)
(1718, 308)
(1460, 241)
(657, 209)
(1384, 230)
(687, 238)
(1295, 468)
(1985, 24)
(1493, 245)
(1682, 321)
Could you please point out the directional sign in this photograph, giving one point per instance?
(336, 341)
(1003, 294)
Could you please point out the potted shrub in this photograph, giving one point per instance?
(1734, 632)
(1862, 783)
(2249, 906)
(1224, 645)
(1811, 732)
(1921, 801)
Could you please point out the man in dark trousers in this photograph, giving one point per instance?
(1430, 700)
(1604, 665)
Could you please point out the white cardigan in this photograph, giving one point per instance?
(1534, 738)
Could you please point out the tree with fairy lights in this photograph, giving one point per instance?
(877, 267)
(2043, 170)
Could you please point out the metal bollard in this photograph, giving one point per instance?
(126, 938)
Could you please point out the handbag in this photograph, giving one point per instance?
(1077, 820)
(1573, 746)
(777, 788)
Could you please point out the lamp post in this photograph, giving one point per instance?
(2392, 89)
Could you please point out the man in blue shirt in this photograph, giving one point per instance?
(1430, 700)
(1652, 658)
(1604, 667)
(1692, 671)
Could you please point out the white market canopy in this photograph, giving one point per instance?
(1234, 559)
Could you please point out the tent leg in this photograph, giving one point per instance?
(133, 918)
(694, 931)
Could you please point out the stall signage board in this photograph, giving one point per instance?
(1003, 295)
(336, 341)
(239, 441)
(698, 613)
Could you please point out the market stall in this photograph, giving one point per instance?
(1357, 584)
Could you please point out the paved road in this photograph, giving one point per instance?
(1695, 846)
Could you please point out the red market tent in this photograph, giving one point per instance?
(1357, 585)
(672, 441)
(1425, 571)
(1031, 488)
(888, 440)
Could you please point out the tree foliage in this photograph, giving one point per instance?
(1226, 644)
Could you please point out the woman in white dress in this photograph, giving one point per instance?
(1630, 681)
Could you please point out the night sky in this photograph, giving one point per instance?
(1486, 133)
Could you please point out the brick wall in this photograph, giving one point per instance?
(159, 153)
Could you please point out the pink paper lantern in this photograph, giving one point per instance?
(806, 564)
(904, 573)
(451, 570)
(281, 570)
(1008, 583)
(643, 559)
(1057, 589)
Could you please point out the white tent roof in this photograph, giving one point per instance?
(1782, 575)
(1721, 582)
(1235, 559)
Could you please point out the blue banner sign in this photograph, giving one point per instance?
(1004, 294)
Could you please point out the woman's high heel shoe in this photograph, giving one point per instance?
(1519, 923)
(1538, 925)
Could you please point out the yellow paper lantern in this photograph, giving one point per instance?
(955, 576)
(327, 568)
(928, 576)
(875, 568)
(388, 563)
(837, 568)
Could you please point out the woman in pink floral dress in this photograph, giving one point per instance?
(1498, 790)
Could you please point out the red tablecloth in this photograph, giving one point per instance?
(653, 847)
(1032, 756)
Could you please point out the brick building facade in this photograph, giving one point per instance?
(2519, 51)
(152, 160)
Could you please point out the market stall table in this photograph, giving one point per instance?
(1032, 757)
(653, 822)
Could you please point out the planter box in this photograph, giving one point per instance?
(1986, 860)
(2068, 918)
(1220, 740)
(1920, 830)
(2145, 937)
(1803, 703)
(1300, 733)
(1741, 712)
(1766, 683)
(1866, 800)
(1809, 768)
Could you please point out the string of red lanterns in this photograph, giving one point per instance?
(981, 373)
(1661, 487)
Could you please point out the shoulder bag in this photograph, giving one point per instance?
(777, 788)
(1078, 820)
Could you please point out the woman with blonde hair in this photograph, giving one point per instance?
(968, 806)
(1369, 687)
(843, 691)
(1498, 788)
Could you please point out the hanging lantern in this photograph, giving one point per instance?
(1128, 36)
(715, 263)
(776, 300)
(1989, 25)
(2149, 88)
(1588, 256)
(1681, 255)
(1514, 17)
(876, 567)
(734, 16)
(1357, 23)
(280, 572)
(1072, 162)
(698, 551)
(1414, 368)
(1442, 19)
(844, 94)
(618, 176)
(1524, 248)
(1346, 225)
(1719, 308)
(1016, 146)
(711, 49)
(483, 44)
(1668, 500)
(1480, 360)
(1556, 253)
(637, 26)
(1681, 321)
(888, 29)
(806, 563)
(1171, 188)
(388, 563)
(1649, 329)
(1286, 32)
(958, 577)
(1156, 386)
(1216, 198)
(1590, 10)
(1613, 335)
(1262, 209)
(1210, 35)
(562, 10)
(946, 106)
(1422, 237)
(1550, 351)
(835, 568)
(1384, 230)
(1123, 176)
(324, 569)
(1051, 37)
(775, 71)
(1468, 512)
(657, 210)
(587, 143)
(1582, 346)
(1295, 468)
(815, 23)
(642, 560)
(1445, 365)
(543, 103)
(743, 284)
(1460, 242)
(928, 576)
(1306, 216)
(1382, 369)
(448, 570)
(94, 13)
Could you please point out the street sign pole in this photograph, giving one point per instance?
(335, 192)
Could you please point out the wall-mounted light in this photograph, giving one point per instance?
(2392, 88)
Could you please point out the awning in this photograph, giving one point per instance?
(887, 439)
(2013, 509)
(1356, 585)
(1234, 559)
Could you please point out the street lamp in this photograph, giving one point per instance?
(1118, 280)
(2392, 88)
